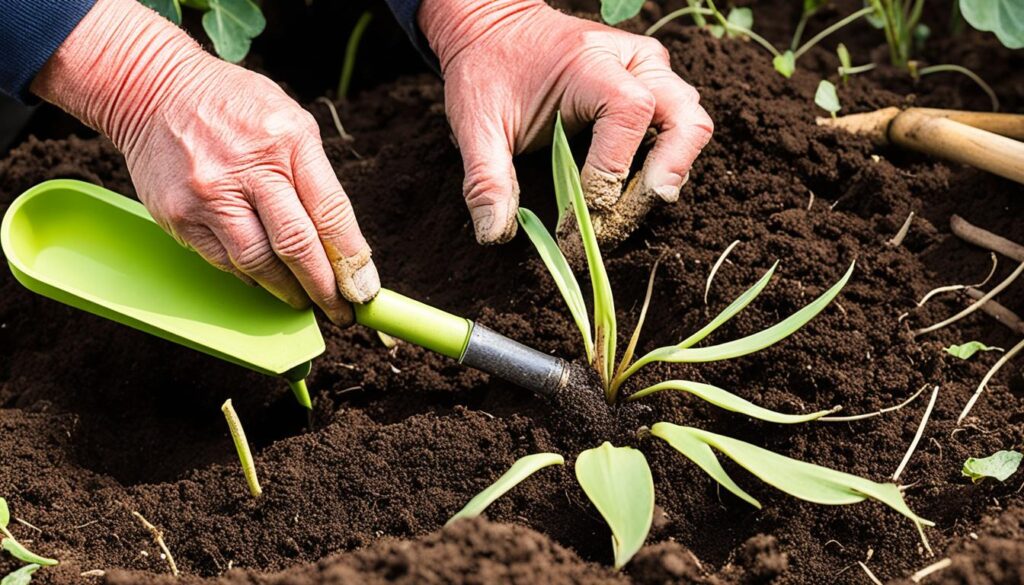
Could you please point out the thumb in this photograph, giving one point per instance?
(490, 187)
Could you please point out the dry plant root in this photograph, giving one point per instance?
(998, 311)
(158, 538)
(983, 238)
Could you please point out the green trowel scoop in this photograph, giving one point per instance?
(95, 250)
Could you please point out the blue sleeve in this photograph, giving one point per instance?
(30, 32)
(405, 12)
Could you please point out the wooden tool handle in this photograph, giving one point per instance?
(1009, 125)
(959, 142)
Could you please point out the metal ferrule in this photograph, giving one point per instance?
(514, 362)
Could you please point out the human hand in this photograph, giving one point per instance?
(222, 158)
(509, 65)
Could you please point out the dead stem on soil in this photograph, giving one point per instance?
(932, 568)
(93, 573)
(902, 233)
(877, 412)
(959, 287)
(869, 573)
(976, 305)
(348, 138)
(714, 269)
(998, 311)
(27, 525)
(1009, 355)
(917, 436)
(158, 537)
(973, 234)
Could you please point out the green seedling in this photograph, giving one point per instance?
(618, 480)
(827, 98)
(22, 576)
(230, 24)
(999, 466)
(11, 544)
(809, 9)
(970, 348)
(242, 446)
(616, 11)
(846, 67)
(739, 19)
(1004, 18)
(351, 48)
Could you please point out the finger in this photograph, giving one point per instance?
(622, 108)
(490, 187)
(296, 242)
(684, 128)
(205, 243)
(330, 210)
(245, 240)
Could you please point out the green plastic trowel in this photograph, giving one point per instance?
(100, 252)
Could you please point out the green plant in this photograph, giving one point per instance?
(1000, 466)
(826, 97)
(615, 11)
(618, 480)
(230, 24)
(15, 548)
(846, 67)
(1004, 18)
(970, 348)
(242, 446)
(351, 48)
(22, 576)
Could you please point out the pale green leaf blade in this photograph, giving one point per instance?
(5, 514)
(19, 552)
(844, 56)
(743, 17)
(697, 451)
(169, 9)
(785, 64)
(729, 401)
(1005, 18)
(615, 11)
(520, 470)
(827, 98)
(799, 479)
(561, 273)
(968, 349)
(619, 483)
(1000, 465)
(231, 25)
(567, 178)
(22, 576)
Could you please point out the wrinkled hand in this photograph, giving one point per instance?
(509, 65)
(222, 158)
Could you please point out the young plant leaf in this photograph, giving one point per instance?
(520, 470)
(5, 514)
(1005, 18)
(827, 98)
(1000, 465)
(169, 9)
(231, 25)
(805, 481)
(748, 344)
(615, 11)
(785, 64)
(619, 483)
(567, 180)
(561, 273)
(729, 401)
(968, 349)
(845, 63)
(21, 553)
(741, 17)
(22, 576)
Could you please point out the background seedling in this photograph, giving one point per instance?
(615, 11)
(11, 544)
(999, 466)
(970, 348)
(826, 97)
(351, 49)
(22, 576)
(230, 24)
(158, 538)
(1004, 18)
(242, 446)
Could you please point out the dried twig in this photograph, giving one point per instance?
(337, 119)
(869, 573)
(902, 233)
(959, 287)
(714, 269)
(981, 237)
(158, 537)
(917, 436)
(932, 568)
(1009, 355)
(876, 413)
(998, 311)
(975, 306)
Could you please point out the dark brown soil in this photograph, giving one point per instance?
(98, 420)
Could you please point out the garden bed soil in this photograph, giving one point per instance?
(98, 420)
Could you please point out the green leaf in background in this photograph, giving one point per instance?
(806, 481)
(22, 576)
(520, 470)
(19, 552)
(619, 483)
(729, 401)
(812, 6)
(5, 514)
(785, 64)
(827, 98)
(231, 25)
(560, 271)
(844, 56)
(968, 349)
(1005, 18)
(567, 187)
(169, 9)
(741, 17)
(1000, 465)
(615, 11)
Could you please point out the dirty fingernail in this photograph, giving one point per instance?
(601, 189)
(670, 193)
(483, 221)
(365, 282)
(494, 223)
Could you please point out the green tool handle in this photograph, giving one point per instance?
(415, 322)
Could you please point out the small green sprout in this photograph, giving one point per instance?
(785, 64)
(970, 348)
(1000, 466)
(11, 544)
(242, 446)
(826, 97)
(22, 576)
(740, 19)
(616, 11)
(230, 24)
(351, 48)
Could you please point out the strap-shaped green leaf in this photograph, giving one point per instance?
(5, 514)
(567, 187)
(231, 25)
(731, 311)
(561, 272)
(19, 552)
(619, 483)
(799, 479)
(729, 401)
(700, 453)
(22, 576)
(520, 470)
